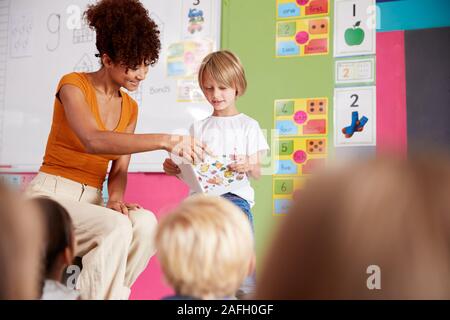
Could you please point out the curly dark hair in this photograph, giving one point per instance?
(125, 32)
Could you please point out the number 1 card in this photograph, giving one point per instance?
(354, 27)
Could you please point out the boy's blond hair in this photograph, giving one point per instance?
(226, 69)
(205, 247)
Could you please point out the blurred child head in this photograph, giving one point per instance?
(60, 238)
(21, 239)
(390, 214)
(205, 247)
(222, 79)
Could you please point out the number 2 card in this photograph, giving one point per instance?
(355, 116)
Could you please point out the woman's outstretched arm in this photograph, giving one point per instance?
(96, 141)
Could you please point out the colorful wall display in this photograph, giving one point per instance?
(355, 27)
(284, 190)
(302, 126)
(301, 117)
(303, 29)
(302, 37)
(301, 8)
(355, 116)
(355, 71)
(184, 57)
(197, 19)
(355, 106)
(301, 156)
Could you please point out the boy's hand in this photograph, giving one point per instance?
(170, 168)
(240, 165)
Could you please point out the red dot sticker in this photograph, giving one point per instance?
(302, 2)
(302, 37)
(300, 156)
(300, 117)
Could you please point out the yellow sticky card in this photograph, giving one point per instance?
(288, 9)
(301, 156)
(303, 37)
(301, 117)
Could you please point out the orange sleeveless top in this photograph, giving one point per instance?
(65, 155)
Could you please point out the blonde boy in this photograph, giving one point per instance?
(205, 248)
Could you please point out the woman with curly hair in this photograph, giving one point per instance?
(93, 124)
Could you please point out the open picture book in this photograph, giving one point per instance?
(212, 176)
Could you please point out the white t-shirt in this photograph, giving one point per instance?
(236, 135)
(53, 290)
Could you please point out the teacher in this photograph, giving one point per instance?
(93, 124)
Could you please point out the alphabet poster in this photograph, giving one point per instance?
(355, 27)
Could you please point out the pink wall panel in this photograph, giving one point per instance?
(391, 93)
(157, 193)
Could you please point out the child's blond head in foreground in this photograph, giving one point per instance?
(226, 69)
(205, 247)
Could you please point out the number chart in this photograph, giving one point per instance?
(301, 156)
(301, 117)
(301, 8)
(303, 37)
(302, 126)
(355, 91)
(355, 71)
(284, 190)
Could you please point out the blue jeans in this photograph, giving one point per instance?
(249, 284)
(242, 204)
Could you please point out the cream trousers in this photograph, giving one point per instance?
(114, 248)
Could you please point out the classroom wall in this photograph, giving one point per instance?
(159, 194)
(413, 14)
(249, 29)
(408, 85)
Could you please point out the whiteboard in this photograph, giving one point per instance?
(40, 41)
